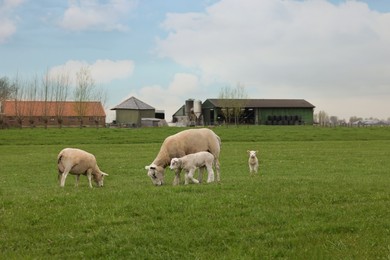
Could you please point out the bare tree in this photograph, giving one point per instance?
(83, 92)
(47, 97)
(232, 102)
(333, 120)
(61, 88)
(323, 118)
(19, 98)
(353, 119)
(98, 95)
(32, 97)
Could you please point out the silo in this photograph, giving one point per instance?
(197, 108)
(189, 107)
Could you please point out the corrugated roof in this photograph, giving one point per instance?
(133, 103)
(262, 103)
(50, 108)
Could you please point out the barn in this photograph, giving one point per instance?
(249, 111)
(135, 113)
(20, 113)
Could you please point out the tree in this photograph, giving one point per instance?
(334, 120)
(47, 97)
(323, 118)
(83, 92)
(19, 97)
(32, 96)
(7, 90)
(61, 87)
(232, 101)
(98, 95)
(353, 119)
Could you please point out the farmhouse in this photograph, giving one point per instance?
(135, 113)
(51, 113)
(245, 111)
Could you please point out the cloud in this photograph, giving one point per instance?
(92, 15)
(7, 20)
(300, 47)
(102, 71)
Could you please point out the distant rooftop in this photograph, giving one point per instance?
(263, 103)
(133, 103)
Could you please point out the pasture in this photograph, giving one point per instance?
(321, 193)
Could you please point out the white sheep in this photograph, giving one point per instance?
(180, 144)
(189, 163)
(77, 162)
(253, 162)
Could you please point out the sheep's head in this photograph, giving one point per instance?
(252, 154)
(175, 164)
(99, 178)
(156, 174)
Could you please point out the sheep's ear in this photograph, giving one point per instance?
(105, 174)
(247, 151)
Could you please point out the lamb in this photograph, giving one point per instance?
(253, 162)
(77, 162)
(180, 144)
(189, 163)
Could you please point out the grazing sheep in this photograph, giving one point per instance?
(180, 144)
(253, 162)
(77, 162)
(189, 163)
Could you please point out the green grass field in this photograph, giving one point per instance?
(322, 193)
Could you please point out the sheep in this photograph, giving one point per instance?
(180, 144)
(77, 162)
(189, 163)
(253, 162)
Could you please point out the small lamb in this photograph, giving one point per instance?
(189, 163)
(253, 162)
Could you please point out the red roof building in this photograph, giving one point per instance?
(51, 113)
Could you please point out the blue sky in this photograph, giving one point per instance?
(335, 54)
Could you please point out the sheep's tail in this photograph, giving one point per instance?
(59, 159)
(219, 141)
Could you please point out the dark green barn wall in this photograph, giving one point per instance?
(304, 115)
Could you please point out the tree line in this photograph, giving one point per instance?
(53, 91)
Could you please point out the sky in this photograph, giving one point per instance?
(333, 53)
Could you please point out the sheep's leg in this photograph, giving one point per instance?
(176, 180)
(190, 175)
(186, 177)
(77, 179)
(217, 169)
(89, 176)
(210, 173)
(200, 178)
(63, 177)
(59, 176)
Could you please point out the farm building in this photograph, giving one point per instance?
(134, 113)
(51, 113)
(246, 111)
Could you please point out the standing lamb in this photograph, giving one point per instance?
(77, 162)
(253, 162)
(180, 144)
(189, 163)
